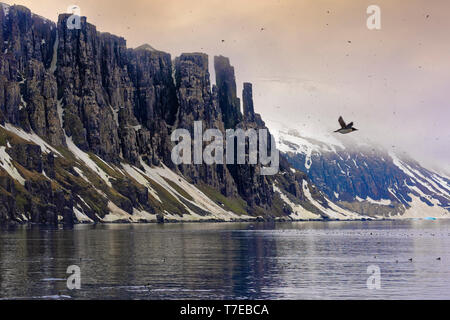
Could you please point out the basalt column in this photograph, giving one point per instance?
(226, 85)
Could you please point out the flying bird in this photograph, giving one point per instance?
(345, 128)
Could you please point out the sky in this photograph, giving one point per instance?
(310, 61)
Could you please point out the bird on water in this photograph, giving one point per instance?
(345, 128)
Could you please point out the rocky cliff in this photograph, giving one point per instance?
(86, 128)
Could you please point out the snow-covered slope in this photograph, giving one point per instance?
(364, 177)
(342, 183)
(106, 192)
(170, 195)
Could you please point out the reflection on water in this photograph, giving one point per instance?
(307, 260)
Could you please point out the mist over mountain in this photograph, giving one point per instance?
(363, 176)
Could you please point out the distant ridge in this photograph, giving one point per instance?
(147, 47)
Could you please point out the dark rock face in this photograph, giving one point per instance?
(226, 84)
(155, 102)
(8, 208)
(136, 194)
(49, 165)
(27, 87)
(27, 155)
(247, 97)
(151, 74)
(117, 101)
(194, 92)
(252, 186)
(121, 105)
(86, 88)
(199, 103)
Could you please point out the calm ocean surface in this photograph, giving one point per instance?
(304, 260)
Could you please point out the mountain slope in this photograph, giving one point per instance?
(86, 124)
(366, 178)
(85, 135)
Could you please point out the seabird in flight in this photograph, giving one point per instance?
(345, 128)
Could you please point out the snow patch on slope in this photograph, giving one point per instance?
(81, 217)
(23, 103)
(419, 179)
(334, 212)
(115, 213)
(299, 213)
(429, 183)
(6, 163)
(82, 200)
(31, 137)
(81, 174)
(84, 157)
(159, 174)
(400, 165)
(137, 175)
(382, 202)
(420, 209)
(442, 182)
(314, 202)
(139, 215)
(435, 202)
